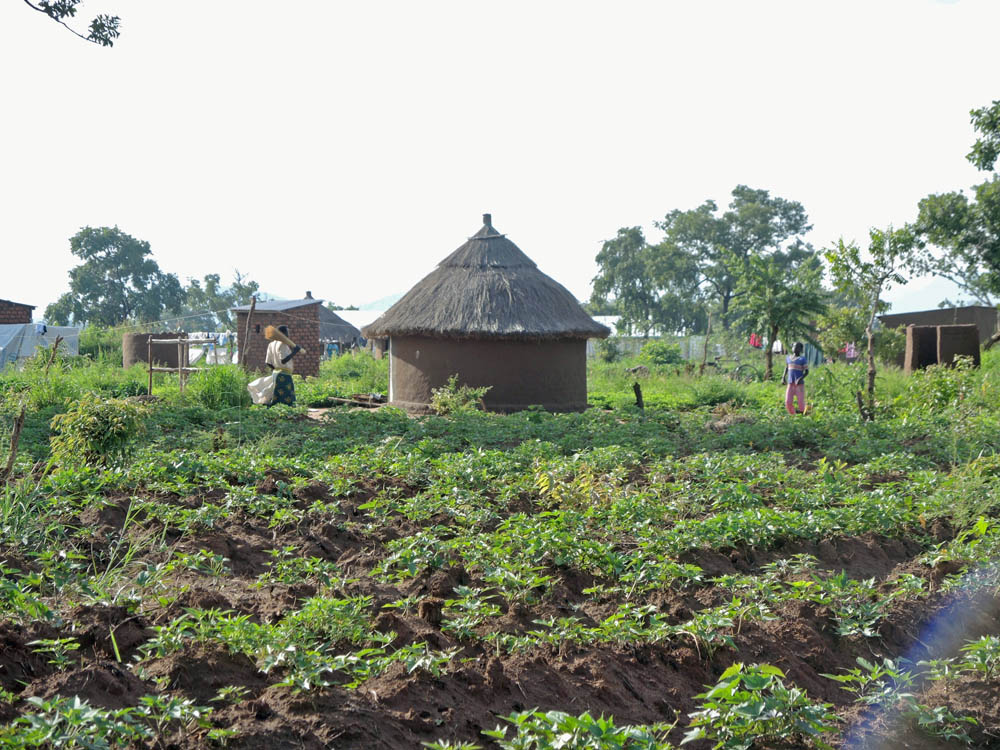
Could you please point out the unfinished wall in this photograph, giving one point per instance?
(303, 329)
(135, 348)
(986, 318)
(551, 374)
(932, 345)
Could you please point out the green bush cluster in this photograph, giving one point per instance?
(96, 431)
(661, 353)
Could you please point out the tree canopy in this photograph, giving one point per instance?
(780, 295)
(698, 264)
(103, 28)
(118, 281)
(966, 230)
(207, 303)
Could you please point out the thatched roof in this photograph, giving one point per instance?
(487, 288)
(333, 328)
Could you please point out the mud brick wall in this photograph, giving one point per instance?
(14, 312)
(303, 329)
(955, 341)
(932, 345)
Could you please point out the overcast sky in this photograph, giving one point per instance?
(347, 147)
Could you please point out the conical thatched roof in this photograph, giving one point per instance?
(487, 288)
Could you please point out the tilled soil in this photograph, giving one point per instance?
(637, 685)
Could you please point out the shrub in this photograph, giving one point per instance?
(96, 431)
(608, 350)
(220, 387)
(453, 398)
(661, 353)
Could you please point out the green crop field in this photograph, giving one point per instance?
(188, 571)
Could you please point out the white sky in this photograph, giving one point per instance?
(347, 147)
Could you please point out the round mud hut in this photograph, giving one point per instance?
(488, 315)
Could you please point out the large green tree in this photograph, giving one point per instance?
(118, 281)
(207, 302)
(721, 244)
(103, 28)
(966, 230)
(781, 295)
(649, 286)
(625, 276)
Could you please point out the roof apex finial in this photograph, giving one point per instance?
(488, 220)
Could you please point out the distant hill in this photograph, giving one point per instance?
(382, 304)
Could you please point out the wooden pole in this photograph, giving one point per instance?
(15, 438)
(704, 354)
(52, 356)
(243, 343)
(149, 362)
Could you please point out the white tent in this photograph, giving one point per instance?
(18, 341)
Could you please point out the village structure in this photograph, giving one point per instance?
(488, 315)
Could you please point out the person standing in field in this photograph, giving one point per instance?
(795, 373)
(279, 359)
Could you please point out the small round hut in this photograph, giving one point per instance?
(487, 314)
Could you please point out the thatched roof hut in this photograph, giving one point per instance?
(488, 314)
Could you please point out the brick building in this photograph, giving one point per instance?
(302, 317)
(14, 312)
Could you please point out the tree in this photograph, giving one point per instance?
(207, 303)
(986, 149)
(720, 246)
(894, 253)
(625, 275)
(117, 282)
(967, 232)
(103, 28)
(780, 294)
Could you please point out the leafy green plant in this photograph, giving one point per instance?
(661, 353)
(452, 398)
(752, 704)
(608, 350)
(97, 431)
(557, 730)
(983, 656)
(59, 650)
(220, 387)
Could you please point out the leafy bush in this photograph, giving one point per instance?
(453, 398)
(712, 390)
(220, 387)
(96, 431)
(661, 353)
(751, 705)
(101, 344)
(608, 350)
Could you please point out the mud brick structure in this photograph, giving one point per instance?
(987, 319)
(488, 315)
(934, 345)
(135, 349)
(14, 312)
(302, 316)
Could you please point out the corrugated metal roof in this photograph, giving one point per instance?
(278, 305)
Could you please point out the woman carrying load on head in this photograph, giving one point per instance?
(279, 358)
(795, 374)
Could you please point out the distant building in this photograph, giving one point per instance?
(986, 319)
(487, 314)
(302, 316)
(15, 312)
(333, 329)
